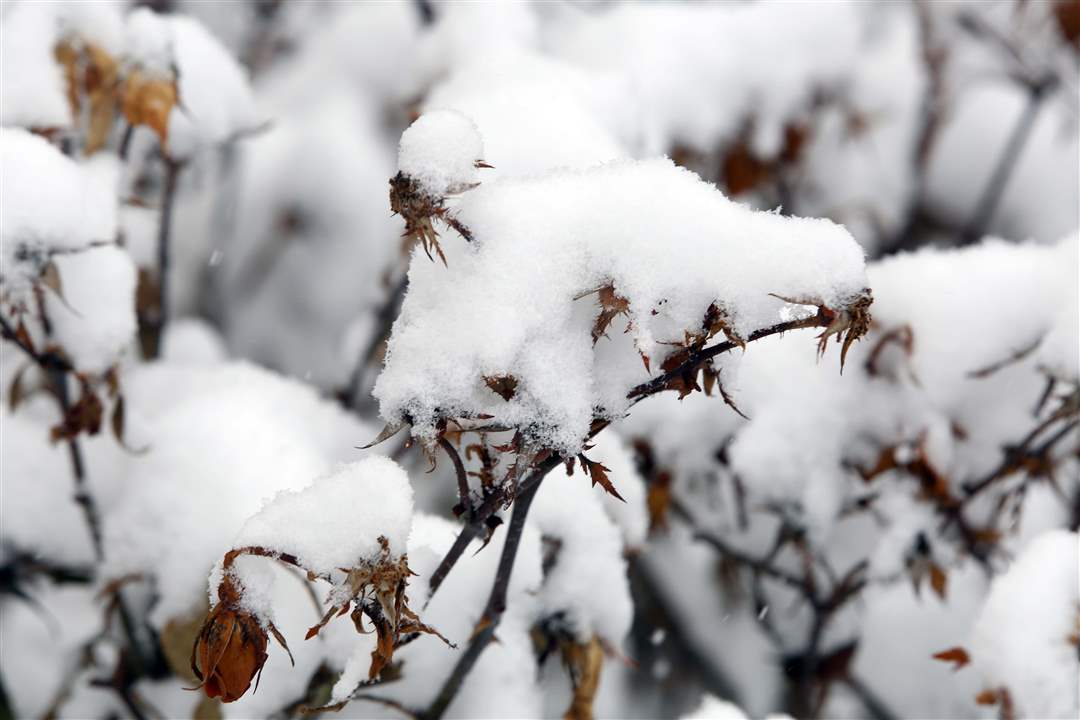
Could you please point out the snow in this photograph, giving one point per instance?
(543, 241)
(1021, 640)
(338, 520)
(568, 510)
(535, 113)
(182, 510)
(50, 202)
(33, 93)
(693, 90)
(94, 317)
(440, 151)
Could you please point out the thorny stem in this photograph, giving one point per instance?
(696, 358)
(525, 492)
(496, 605)
(475, 527)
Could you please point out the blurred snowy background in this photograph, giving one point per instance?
(201, 271)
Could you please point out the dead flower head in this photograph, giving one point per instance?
(230, 649)
(848, 324)
(377, 589)
(419, 209)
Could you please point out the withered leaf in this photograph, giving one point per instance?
(148, 99)
(15, 388)
(101, 81)
(599, 475)
(585, 661)
(388, 431)
(956, 655)
(611, 304)
(84, 416)
(938, 580)
(50, 278)
(502, 385)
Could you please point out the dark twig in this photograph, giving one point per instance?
(524, 494)
(462, 477)
(496, 605)
(158, 322)
(995, 186)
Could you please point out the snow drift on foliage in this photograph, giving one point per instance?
(338, 520)
(1026, 637)
(519, 300)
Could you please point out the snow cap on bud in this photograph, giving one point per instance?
(442, 152)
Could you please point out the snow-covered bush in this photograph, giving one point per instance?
(725, 358)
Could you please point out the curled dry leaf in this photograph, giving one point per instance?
(148, 99)
(84, 416)
(611, 305)
(92, 78)
(388, 431)
(599, 475)
(584, 661)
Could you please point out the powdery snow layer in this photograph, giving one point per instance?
(516, 301)
(1023, 639)
(50, 202)
(337, 521)
(94, 318)
(440, 150)
(587, 544)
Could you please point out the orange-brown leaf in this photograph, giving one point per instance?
(956, 655)
(148, 100)
(938, 580)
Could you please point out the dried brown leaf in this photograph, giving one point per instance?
(958, 656)
(502, 385)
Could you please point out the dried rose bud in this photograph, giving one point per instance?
(230, 649)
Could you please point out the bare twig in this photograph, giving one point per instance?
(155, 325)
(496, 605)
(462, 478)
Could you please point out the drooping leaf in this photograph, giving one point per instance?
(388, 431)
(599, 475)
